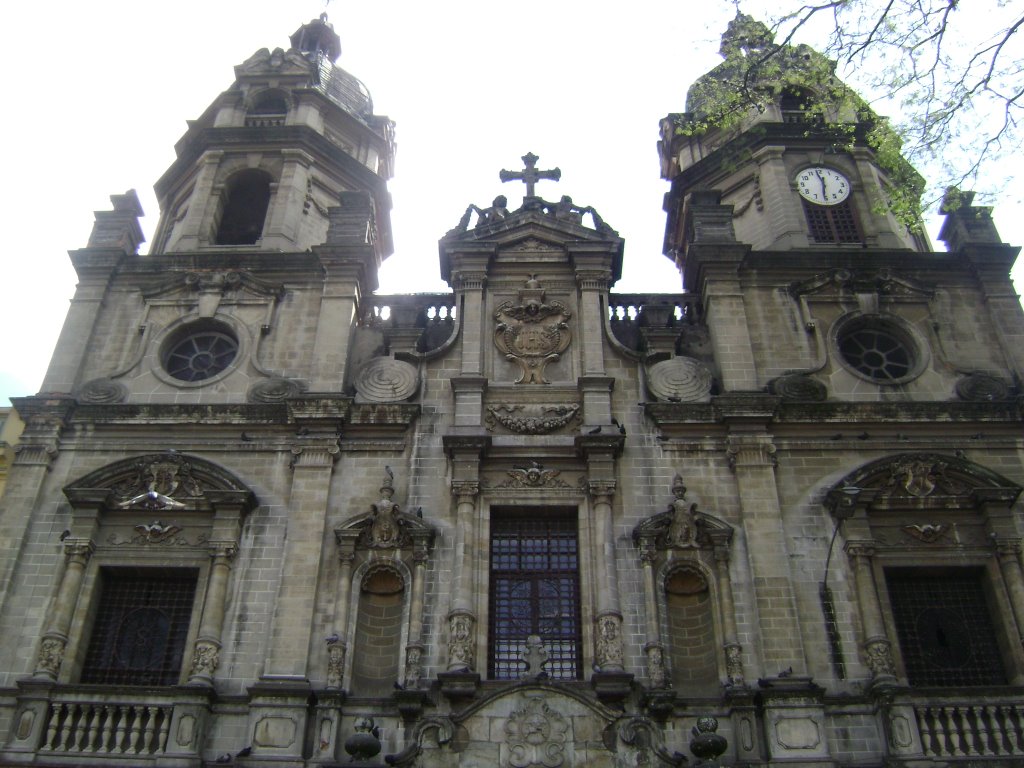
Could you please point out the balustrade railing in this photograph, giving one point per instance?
(106, 728)
(633, 317)
(264, 121)
(429, 318)
(969, 730)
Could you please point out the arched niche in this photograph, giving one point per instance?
(383, 554)
(690, 615)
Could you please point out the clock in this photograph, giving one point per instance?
(822, 186)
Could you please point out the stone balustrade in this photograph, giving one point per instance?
(634, 318)
(421, 321)
(971, 729)
(100, 728)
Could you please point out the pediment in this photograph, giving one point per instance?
(920, 481)
(160, 481)
(277, 62)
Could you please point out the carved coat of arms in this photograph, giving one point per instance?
(535, 736)
(532, 333)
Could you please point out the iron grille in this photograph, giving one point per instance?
(944, 628)
(141, 627)
(832, 223)
(534, 591)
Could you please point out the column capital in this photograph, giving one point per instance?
(601, 488)
(465, 488)
(81, 549)
(1006, 547)
(750, 451)
(314, 456)
(861, 548)
(223, 549)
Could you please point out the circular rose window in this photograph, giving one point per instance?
(879, 349)
(198, 355)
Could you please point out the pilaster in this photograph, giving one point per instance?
(312, 467)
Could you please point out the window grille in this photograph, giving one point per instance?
(534, 591)
(944, 628)
(141, 627)
(832, 223)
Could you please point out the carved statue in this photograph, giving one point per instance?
(682, 530)
(384, 528)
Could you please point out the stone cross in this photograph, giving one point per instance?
(530, 175)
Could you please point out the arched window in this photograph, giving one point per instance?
(798, 106)
(246, 199)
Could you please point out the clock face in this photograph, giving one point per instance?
(822, 186)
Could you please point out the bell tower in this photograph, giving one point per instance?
(789, 147)
(268, 158)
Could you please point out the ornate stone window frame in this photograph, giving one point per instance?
(193, 323)
(915, 345)
(153, 511)
(928, 510)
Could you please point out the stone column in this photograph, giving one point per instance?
(51, 650)
(608, 651)
(731, 645)
(414, 649)
(336, 650)
(206, 653)
(469, 283)
(296, 599)
(654, 649)
(1008, 552)
(461, 619)
(877, 648)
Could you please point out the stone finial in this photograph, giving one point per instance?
(965, 222)
(706, 744)
(365, 742)
(120, 227)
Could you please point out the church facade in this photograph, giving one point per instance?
(263, 515)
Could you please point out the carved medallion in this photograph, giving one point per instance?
(100, 391)
(531, 419)
(928, 533)
(680, 379)
(535, 736)
(799, 387)
(979, 387)
(532, 333)
(274, 390)
(386, 380)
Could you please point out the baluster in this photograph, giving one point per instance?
(924, 725)
(91, 729)
(108, 727)
(122, 716)
(135, 737)
(51, 729)
(942, 746)
(996, 730)
(67, 736)
(165, 727)
(960, 731)
(981, 742)
(1013, 728)
(148, 745)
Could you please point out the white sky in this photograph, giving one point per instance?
(97, 93)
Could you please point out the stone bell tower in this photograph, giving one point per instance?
(264, 162)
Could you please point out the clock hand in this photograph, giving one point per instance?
(824, 190)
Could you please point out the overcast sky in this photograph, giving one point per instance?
(97, 93)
